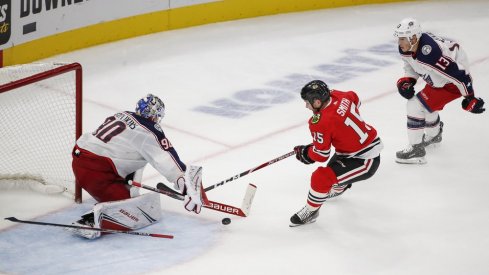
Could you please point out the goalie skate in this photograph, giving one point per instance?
(434, 140)
(414, 154)
(87, 220)
(304, 216)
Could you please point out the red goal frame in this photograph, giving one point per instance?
(79, 91)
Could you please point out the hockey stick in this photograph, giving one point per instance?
(169, 192)
(244, 211)
(13, 219)
(165, 190)
(250, 171)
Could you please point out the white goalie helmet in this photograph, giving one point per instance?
(407, 28)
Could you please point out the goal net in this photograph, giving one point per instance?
(40, 120)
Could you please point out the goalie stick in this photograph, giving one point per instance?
(216, 206)
(13, 219)
(208, 188)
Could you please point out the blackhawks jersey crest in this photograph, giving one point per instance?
(315, 118)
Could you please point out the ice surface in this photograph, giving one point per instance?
(231, 92)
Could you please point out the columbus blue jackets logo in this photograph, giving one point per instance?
(5, 21)
(426, 49)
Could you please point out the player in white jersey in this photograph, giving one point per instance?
(443, 65)
(104, 161)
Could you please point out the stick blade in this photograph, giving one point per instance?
(248, 199)
(12, 219)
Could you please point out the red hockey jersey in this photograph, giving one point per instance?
(339, 125)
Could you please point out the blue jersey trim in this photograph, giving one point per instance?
(443, 64)
(158, 132)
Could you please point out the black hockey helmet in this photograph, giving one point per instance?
(315, 89)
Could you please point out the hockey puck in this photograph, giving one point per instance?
(226, 221)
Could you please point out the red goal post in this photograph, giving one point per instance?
(40, 121)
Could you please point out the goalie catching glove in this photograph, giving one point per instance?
(191, 185)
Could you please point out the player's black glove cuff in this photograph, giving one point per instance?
(301, 154)
(473, 104)
(405, 86)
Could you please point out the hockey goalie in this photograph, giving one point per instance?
(106, 159)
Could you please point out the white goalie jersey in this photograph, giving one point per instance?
(131, 142)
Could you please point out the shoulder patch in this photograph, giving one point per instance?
(315, 118)
(426, 49)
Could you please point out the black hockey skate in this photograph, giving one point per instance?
(304, 216)
(87, 220)
(434, 140)
(414, 154)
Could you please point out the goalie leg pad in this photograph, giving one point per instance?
(129, 214)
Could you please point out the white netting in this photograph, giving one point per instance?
(29, 182)
(37, 129)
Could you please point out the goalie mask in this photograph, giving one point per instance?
(151, 107)
(315, 89)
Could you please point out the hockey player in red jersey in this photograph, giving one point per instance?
(444, 67)
(118, 151)
(336, 122)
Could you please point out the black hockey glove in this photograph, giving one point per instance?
(473, 104)
(405, 86)
(301, 154)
